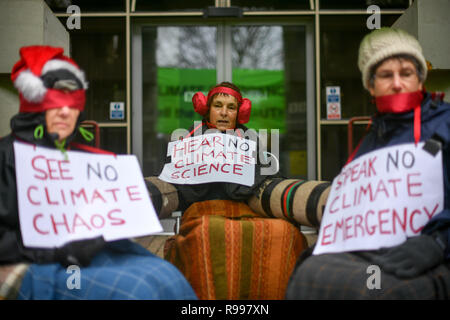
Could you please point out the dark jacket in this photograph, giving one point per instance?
(391, 129)
(12, 249)
(188, 194)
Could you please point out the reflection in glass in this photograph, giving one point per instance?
(177, 62)
(335, 148)
(114, 139)
(339, 44)
(99, 49)
(269, 68)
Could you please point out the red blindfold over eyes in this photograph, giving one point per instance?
(55, 99)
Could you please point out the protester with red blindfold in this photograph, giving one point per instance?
(52, 96)
(393, 71)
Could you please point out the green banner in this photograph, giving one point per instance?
(265, 88)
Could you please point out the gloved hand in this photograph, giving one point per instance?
(79, 252)
(411, 258)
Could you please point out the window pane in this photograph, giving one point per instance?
(177, 62)
(363, 4)
(173, 5)
(260, 5)
(111, 139)
(60, 6)
(99, 48)
(114, 139)
(339, 44)
(334, 148)
(269, 68)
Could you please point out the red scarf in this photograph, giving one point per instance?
(398, 103)
(403, 102)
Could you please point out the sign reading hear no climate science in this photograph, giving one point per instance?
(214, 157)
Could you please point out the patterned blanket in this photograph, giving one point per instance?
(226, 251)
(353, 276)
(122, 270)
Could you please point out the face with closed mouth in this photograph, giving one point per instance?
(223, 111)
(61, 121)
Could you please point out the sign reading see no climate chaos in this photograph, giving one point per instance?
(79, 197)
(381, 198)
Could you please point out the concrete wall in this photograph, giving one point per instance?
(22, 23)
(428, 21)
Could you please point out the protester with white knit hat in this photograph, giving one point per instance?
(413, 258)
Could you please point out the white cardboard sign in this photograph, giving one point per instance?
(212, 157)
(381, 198)
(80, 197)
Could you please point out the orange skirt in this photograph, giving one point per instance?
(226, 251)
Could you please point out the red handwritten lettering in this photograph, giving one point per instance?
(79, 221)
(133, 195)
(47, 196)
(430, 215)
(382, 221)
(325, 235)
(332, 205)
(113, 192)
(36, 203)
(236, 168)
(35, 218)
(117, 221)
(97, 195)
(371, 230)
(55, 224)
(34, 165)
(97, 217)
(396, 217)
(410, 185)
(411, 218)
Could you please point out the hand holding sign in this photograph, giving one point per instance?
(83, 197)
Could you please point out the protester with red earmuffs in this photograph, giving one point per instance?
(223, 109)
(221, 240)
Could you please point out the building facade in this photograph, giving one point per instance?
(295, 59)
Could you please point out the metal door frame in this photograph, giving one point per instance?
(224, 73)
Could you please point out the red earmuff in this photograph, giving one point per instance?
(244, 111)
(199, 102)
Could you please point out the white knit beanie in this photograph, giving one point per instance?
(384, 43)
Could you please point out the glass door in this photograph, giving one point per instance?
(170, 64)
(271, 63)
